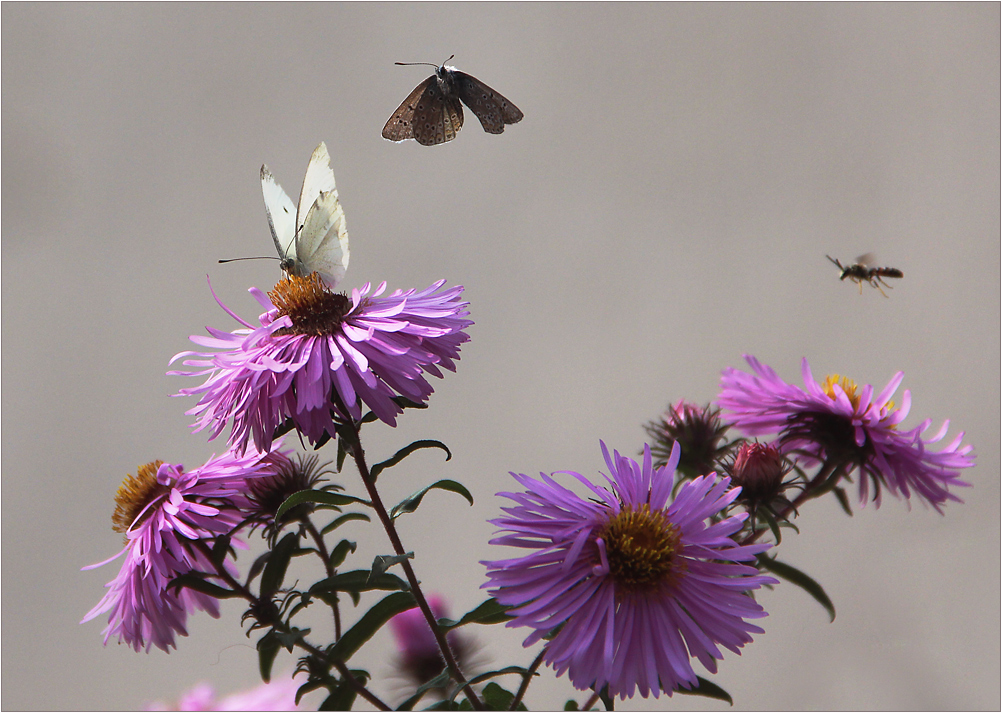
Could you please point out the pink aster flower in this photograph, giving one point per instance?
(278, 695)
(853, 430)
(163, 511)
(314, 350)
(637, 584)
(419, 657)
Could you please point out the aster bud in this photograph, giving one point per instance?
(699, 432)
(760, 470)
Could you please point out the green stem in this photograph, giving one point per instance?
(326, 557)
(359, 456)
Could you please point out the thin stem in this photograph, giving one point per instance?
(326, 557)
(336, 663)
(590, 702)
(525, 680)
(346, 675)
(360, 461)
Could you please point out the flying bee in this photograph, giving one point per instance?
(860, 272)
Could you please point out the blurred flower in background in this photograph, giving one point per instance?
(279, 695)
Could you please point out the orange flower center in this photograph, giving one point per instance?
(313, 309)
(643, 548)
(135, 493)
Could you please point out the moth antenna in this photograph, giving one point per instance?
(409, 64)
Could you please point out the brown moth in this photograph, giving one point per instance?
(432, 113)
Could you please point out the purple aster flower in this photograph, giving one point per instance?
(851, 429)
(278, 695)
(636, 584)
(163, 511)
(315, 350)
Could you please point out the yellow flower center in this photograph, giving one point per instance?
(848, 386)
(134, 494)
(643, 548)
(313, 309)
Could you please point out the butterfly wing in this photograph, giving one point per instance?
(492, 109)
(322, 244)
(399, 126)
(319, 178)
(281, 215)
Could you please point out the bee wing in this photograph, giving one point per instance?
(322, 244)
(492, 109)
(319, 179)
(399, 126)
(281, 215)
(867, 259)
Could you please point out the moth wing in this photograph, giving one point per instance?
(492, 109)
(399, 126)
(322, 246)
(430, 117)
(319, 179)
(452, 117)
(281, 215)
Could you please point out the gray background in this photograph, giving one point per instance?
(665, 206)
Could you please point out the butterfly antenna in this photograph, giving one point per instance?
(257, 257)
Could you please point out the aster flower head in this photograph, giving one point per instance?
(278, 695)
(635, 583)
(850, 428)
(699, 433)
(286, 476)
(164, 511)
(419, 658)
(315, 355)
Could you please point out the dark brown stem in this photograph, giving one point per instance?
(388, 525)
(590, 702)
(526, 680)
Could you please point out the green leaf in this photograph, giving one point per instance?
(499, 699)
(706, 688)
(571, 706)
(405, 403)
(341, 552)
(803, 581)
(382, 562)
(268, 648)
(340, 700)
(278, 561)
(369, 623)
(197, 582)
(220, 549)
(360, 581)
(317, 496)
(342, 453)
(411, 503)
(489, 612)
(843, 500)
(771, 522)
(414, 446)
(441, 681)
(343, 519)
(291, 638)
(522, 671)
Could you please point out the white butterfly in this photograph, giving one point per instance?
(312, 238)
